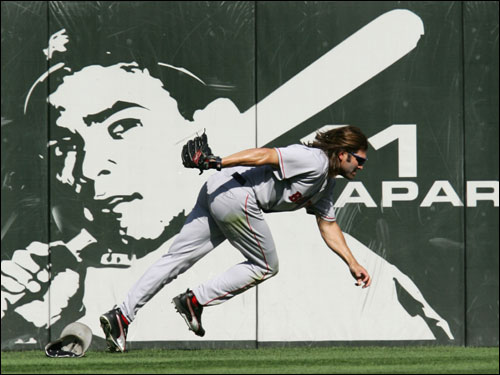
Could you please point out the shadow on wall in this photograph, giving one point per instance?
(416, 308)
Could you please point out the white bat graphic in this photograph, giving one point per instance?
(353, 62)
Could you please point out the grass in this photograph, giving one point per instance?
(344, 360)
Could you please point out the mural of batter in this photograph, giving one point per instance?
(118, 117)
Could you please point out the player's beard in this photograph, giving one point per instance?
(349, 174)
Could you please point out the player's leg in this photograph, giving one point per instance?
(242, 222)
(198, 236)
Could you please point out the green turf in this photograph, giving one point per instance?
(366, 359)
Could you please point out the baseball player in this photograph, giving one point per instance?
(231, 205)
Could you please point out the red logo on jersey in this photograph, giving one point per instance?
(295, 197)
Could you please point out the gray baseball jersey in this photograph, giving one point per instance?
(301, 181)
(231, 205)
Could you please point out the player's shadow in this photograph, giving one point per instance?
(414, 308)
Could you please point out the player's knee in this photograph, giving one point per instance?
(272, 268)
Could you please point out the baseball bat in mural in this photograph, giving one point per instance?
(353, 62)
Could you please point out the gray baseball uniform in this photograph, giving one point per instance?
(230, 206)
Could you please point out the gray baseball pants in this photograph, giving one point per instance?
(226, 209)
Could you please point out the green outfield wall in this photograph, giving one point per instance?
(99, 97)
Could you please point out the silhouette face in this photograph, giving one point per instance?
(117, 132)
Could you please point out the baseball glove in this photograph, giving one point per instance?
(197, 154)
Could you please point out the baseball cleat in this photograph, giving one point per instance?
(191, 313)
(115, 327)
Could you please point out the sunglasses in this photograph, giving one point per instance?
(361, 160)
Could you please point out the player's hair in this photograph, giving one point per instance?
(332, 142)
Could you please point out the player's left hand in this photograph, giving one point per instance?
(361, 275)
(196, 153)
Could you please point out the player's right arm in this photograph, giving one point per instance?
(333, 237)
(252, 157)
